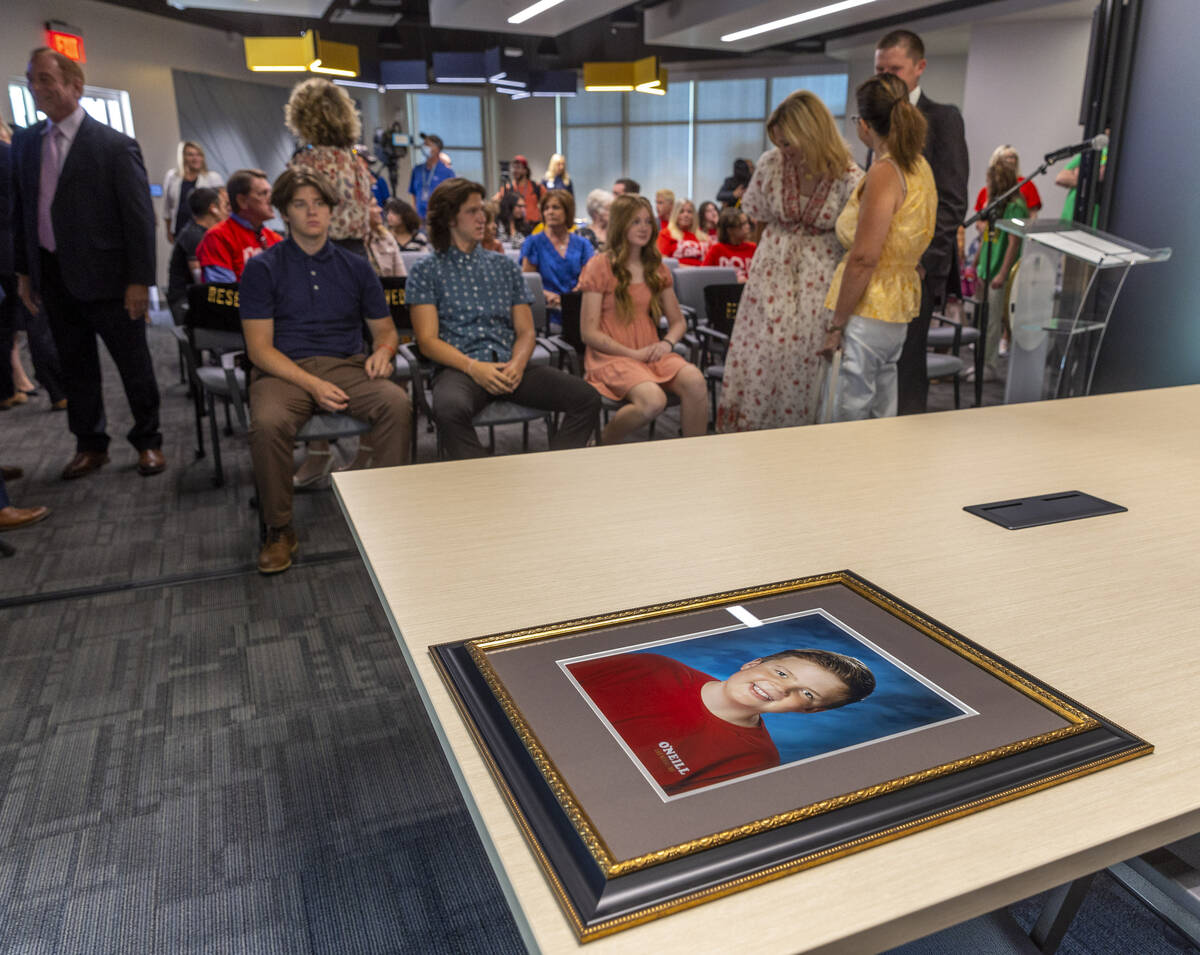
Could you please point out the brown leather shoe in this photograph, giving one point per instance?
(151, 461)
(85, 462)
(13, 517)
(60, 405)
(276, 554)
(11, 474)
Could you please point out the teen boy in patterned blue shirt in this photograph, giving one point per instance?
(470, 311)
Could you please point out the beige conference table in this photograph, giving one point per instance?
(1106, 609)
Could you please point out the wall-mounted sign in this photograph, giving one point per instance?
(65, 40)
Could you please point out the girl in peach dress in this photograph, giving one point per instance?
(625, 291)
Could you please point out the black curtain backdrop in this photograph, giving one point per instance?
(1154, 338)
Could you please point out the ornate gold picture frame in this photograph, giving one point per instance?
(800, 721)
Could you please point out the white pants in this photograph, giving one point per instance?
(866, 385)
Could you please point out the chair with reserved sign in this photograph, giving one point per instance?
(721, 305)
(214, 326)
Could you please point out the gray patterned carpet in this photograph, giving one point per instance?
(196, 759)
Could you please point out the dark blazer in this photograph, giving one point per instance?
(103, 220)
(6, 204)
(946, 151)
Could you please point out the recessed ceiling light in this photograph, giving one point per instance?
(533, 10)
(798, 18)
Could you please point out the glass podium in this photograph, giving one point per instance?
(1067, 282)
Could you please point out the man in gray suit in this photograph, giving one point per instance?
(83, 233)
(902, 53)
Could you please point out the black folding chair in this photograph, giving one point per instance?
(721, 304)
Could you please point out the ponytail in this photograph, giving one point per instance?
(883, 104)
(906, 141)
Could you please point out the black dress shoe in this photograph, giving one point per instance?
(11, 474)
(85, 462)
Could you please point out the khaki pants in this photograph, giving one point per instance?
(278, 409)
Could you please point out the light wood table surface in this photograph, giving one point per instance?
(1107, 610)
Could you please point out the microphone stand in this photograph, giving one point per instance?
(990, 215)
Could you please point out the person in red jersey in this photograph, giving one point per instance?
(690, 730)
(226, 248)
(733, 248)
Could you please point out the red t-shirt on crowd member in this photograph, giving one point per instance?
(688, 251)
(731, 257)
(654, 704)
(226, 248)
(1028, 191)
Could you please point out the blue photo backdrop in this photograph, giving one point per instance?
(899, 703)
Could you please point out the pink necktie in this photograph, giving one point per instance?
(46, 186)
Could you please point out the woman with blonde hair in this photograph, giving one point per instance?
(772, 372)
(191, 172)
(626, 289)
(885, 227)
(683, 239)
(557, 176)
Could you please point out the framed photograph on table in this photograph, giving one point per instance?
(662, 756)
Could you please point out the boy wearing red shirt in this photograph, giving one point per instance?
(690, 730)
(732, 250)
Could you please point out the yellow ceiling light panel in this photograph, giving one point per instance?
(337, 59)
(280, 54)
(608, 77)
(649, 77)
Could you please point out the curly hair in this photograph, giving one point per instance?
(318, 113)
(450, 196)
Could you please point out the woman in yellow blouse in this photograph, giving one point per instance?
(886, 225)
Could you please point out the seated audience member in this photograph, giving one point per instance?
(626, 187)
(709, 215)
(714, 728)
(491, 241)
(596, 232)
(383, 251)
(519, 199)
(556, 253)
(12, 517)
(557, 176)
(303, 303)
(734, 187)
(405, 225)
(1029, 192)
(664, 205)
(733, 248)
(208, 207)
(885, 227)
(470, 312)
(682, 238)
(191, 172)
(226, 248)
(428, 175)
(997, 255)
(625, 292)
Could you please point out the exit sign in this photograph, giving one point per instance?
(67, 41)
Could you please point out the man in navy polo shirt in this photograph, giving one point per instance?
(303, 303)
(470, 312)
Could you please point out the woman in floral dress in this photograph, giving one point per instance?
(773, 375)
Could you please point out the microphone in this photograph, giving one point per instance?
(1096, 142)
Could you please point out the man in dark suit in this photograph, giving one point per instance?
(902, 53)
(84, 252)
